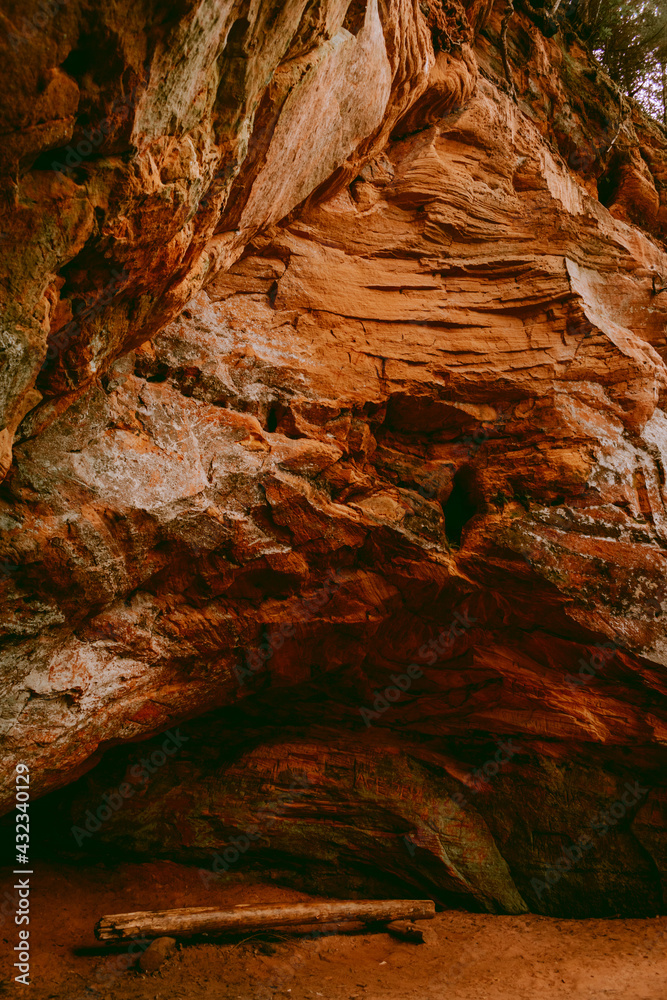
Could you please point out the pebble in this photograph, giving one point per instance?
(157, 954)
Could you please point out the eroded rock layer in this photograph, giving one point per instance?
(388, 493)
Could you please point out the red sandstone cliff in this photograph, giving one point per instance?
(330, 358)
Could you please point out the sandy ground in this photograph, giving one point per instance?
(476, 957)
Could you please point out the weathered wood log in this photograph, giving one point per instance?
(209, 919)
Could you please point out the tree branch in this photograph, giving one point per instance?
(507, 17)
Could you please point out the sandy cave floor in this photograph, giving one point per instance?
(476, 956)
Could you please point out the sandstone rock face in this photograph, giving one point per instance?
(144, 146)
(388, 494)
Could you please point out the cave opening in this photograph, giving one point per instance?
(461, 505)
(332, 545)
(272, 419)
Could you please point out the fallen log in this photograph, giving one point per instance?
(209, 919)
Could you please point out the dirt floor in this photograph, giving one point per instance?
(476, 957)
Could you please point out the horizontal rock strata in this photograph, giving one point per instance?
(410, 424)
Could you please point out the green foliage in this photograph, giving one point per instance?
(630, 39)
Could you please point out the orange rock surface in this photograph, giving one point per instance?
(377, 382)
